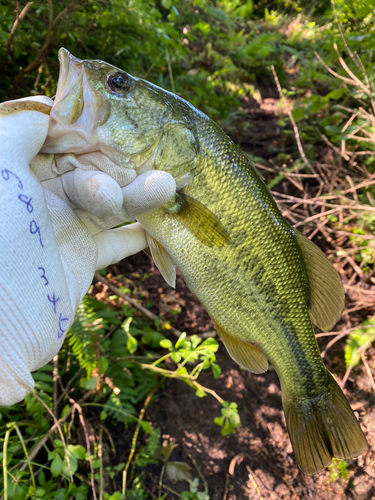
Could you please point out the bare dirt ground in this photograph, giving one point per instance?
(257, 462)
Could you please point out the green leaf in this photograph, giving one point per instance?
(216, 370)
(298, 114)
(56, 465)
(194, 485)
(336, 94)
(178, 471)
(166, 4)
(131, 344)
(200, 393)
(204, 28)
(176, 357)
(166, 450)
(126, 325)
(42, 478)
(80, 492)
(201, 495)
(180, 340)
(103, 365)
(40, 376)
(89, 384)
(211, 344)
(66, 411)
(73, 466)
(219, 421)
(356, 340)
(227, 429)
(152, 339)
(343, 468)
(146, 427)
(167, 344)
(77, 451)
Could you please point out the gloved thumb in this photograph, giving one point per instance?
(23, 132)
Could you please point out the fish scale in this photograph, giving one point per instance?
(260, 280)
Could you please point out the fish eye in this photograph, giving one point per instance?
(118, 83)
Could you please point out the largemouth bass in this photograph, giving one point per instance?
(260, 280)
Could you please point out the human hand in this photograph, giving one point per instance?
(55, 221)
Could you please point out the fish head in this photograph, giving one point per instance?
(99, 107)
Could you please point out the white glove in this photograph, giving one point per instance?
(54, 235)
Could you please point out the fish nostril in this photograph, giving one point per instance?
(93, 65)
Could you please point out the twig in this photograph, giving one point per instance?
(34, 452)
(100, 456)
(294, 125)
(368, 371)
(60, 432)
(317, 216)
(252, 477)
(16, 23)
(361, 350)
(5, 458)
(332, 146)
(135, 437)
(170, 72)
(197, 469)
(343, 78)
(135, 304)
(188, 378)
(48, 40)
(55, 375)
(83, 423)
(331, 342)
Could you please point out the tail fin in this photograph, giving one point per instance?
(323, 427)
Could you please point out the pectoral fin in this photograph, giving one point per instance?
(199, 220)
(162, 260)
(248, 356)
(327, 299)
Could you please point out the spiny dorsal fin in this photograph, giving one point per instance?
(199, 220)
(327, 298)
(162, 260)
(248, 356)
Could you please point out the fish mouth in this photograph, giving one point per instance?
(77, 111)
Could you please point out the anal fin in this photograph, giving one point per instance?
(162, 260)
(248, 356)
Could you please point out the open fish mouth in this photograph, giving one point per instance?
(77, 112)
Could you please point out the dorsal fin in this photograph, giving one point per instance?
(248, 356)
(327, 298)
(162, 260)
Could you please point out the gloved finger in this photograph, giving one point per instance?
(93, 191)
(117, 244)
(95, 224)
(147, 192)
(43, 166)
(22, 133)
(95, 161)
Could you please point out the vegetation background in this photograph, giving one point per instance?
(121, 412)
